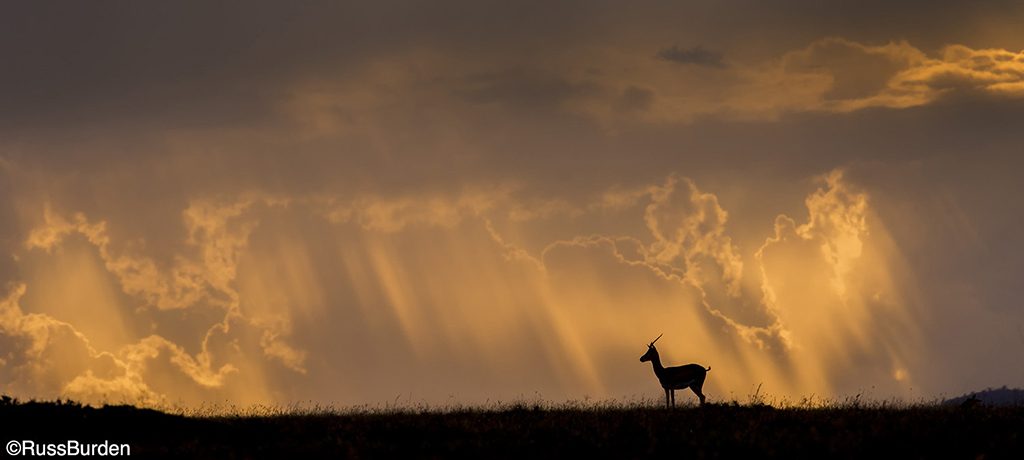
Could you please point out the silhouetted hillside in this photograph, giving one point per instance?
(992, 397)
(518, 431)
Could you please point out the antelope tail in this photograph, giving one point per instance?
(708, 369)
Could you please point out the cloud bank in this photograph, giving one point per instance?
(285, 298)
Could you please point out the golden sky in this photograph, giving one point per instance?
(477, 201)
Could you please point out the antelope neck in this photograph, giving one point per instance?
(656, 362)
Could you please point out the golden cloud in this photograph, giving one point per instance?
(255, 306)
(839, 75)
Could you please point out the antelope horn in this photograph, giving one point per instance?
(659, 336)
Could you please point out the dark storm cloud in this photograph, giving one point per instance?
(697, 55)
(635, 98)
(204, 65)
(201, 64)
(518, 88)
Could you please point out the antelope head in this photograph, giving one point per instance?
(651, 351)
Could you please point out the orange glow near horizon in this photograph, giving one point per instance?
(296, 304)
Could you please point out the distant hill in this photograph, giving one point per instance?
(992, 397)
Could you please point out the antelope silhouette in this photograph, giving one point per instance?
(676, 378)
